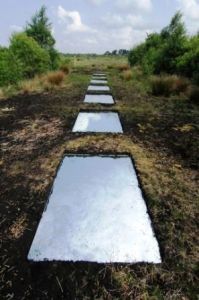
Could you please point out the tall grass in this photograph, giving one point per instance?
(55, 78)
(166, 85)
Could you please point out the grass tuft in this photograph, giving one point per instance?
(127, 75)
(1, 94)
(194, 95)
(123, 67)
(55, 78)
(167, 85)
(65, 68)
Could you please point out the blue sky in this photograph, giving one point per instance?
(87, 26)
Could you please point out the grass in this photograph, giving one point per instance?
(65, 68)
(160, 133)
(194, 95)
(56, 78)
(166, 85)
(127, 75)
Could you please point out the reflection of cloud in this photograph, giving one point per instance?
(85, 120)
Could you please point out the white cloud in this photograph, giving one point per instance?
(190, 10)
(141, 5)
(116, 30)
(73, 20)
(16, 28)
(96, 2)
(135, 21)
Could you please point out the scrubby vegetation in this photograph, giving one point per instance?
(171, 51)
(30, 52)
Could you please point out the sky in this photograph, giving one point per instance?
(96, 26)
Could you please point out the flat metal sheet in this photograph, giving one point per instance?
(99, 74)
(95, 213)
(98, 88)
(99, 82)
(98, 122)
(102, 99)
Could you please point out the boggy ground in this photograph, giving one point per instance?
(161, 136)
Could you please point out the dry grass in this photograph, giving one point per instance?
(127, 75)
(194, 95)
(17, 229)
(180, 84)
(1, 94)
(123, 67)
(65, 68)
(55, 78)
(32, 85)
(166, 85)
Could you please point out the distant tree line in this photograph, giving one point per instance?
(171, 51)
(117, 52)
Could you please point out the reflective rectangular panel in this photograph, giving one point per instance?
(98, 122)
(99, 81)
(99, 74)
(99, 78)
(95, 213)
(98, 88)
(102, 99)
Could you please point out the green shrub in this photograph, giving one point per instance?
(54, 59)
(10, 67)
(188, 63)
(33, 58)
(171, 51)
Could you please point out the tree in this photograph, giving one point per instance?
(41, 29)
(33, 58)
(187, 64)
(114, 52)
(174, 39)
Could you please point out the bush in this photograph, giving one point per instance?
(65, 68)
(171, 51)
(194, 95)
(32, 57)
(167, 85)
(56, 78)
(124, 67)
(127, 75)
(187, 64)
(10, 67)
(54, 59)
(162, 86)
(180, 84)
